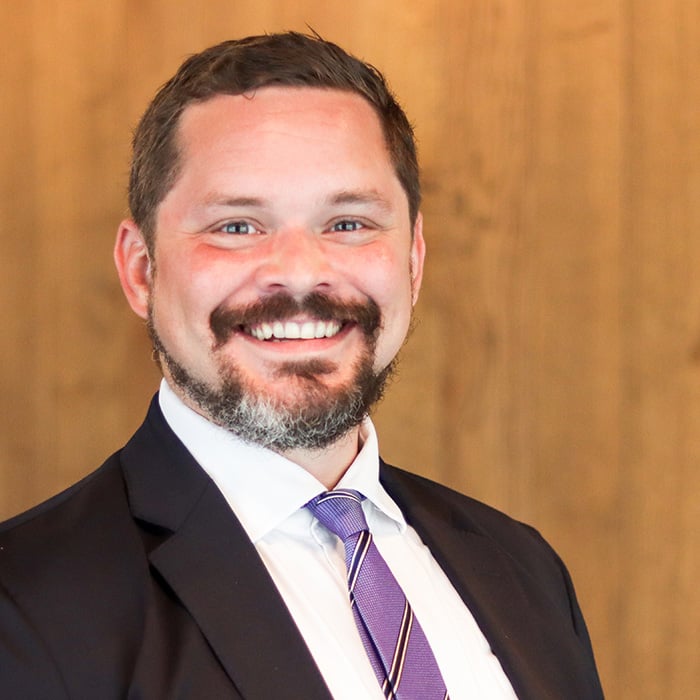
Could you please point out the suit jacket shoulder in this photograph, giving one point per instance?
(63, 588)
(139, 582)
(513, 582)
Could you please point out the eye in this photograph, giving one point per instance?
(347, 225)
(240, 228)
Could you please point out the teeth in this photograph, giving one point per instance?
(266, 331)
(308, 330)
(292, 330)
(327, 330)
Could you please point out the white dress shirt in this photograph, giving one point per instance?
(267, 493)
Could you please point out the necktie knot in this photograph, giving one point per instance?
(340, 511)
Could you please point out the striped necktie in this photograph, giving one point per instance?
(393, 639)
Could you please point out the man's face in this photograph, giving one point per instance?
(285, 267)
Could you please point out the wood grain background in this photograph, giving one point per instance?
(555, 367)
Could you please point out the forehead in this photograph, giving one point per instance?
(280, 118)
(293, 147)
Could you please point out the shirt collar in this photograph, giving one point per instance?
(262, 487)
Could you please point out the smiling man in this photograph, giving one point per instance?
(279, 284)
(248, 542)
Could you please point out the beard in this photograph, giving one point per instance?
(313, 416)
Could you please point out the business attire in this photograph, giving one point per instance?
(307, 562)
(140, 582)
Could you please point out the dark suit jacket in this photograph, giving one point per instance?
(138, 582)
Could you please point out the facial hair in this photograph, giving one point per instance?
(322, 415)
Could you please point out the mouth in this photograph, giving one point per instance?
(294, 330)
(282, 318)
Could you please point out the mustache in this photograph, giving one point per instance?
(226, 320)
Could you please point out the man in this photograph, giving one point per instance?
(275, 251)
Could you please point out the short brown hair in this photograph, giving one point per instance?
(239, 66)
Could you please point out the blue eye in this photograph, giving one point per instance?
(240, 228)
(347, 225)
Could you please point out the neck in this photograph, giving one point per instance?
(329, 464)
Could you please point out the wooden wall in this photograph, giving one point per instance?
(555, 367)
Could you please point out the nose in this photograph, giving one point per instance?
(297, 261)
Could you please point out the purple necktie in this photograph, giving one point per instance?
(393, 639)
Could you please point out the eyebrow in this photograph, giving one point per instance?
(360, 197)
(218, 200)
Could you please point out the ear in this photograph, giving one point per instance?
(417, 258)
(134, 266)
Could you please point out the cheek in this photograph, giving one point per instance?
(386, 278)
(181, 295)
(191, 277)
(383, 269)
(391, 286)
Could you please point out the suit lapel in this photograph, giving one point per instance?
(215, 571)
(536, 646)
